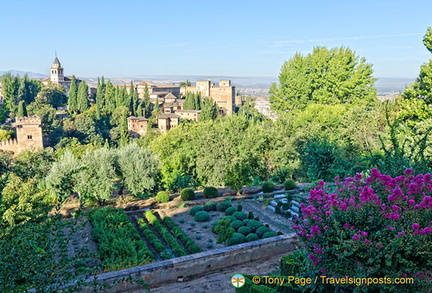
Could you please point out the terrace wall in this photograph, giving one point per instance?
(200, 263)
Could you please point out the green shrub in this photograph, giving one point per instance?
(192, 224)
(210, 240)
(162, 196)
(251, 237)
(279, 233)
(245, 221)
(182, 220)
(195, 210)
(286, 206)
(150, 217)
(244, 230)
(237, 238)
(254, 225)
(229, 211)
(222, 206)
(291, 264)
(268, 187)
(202, 216)
(209, 245)
(289, 184)
(187, 194)
(205, 226)
(231, 218)
(239, 208)
(250, 216)
(210, 192)
(193, 248)
(261, 230)
(287, 214)
(269, 234)
(236, 224)
(240, 216)
(209, 206)
(213, 227)
(289, 197)
(198, 236)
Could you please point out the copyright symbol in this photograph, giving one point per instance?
(256, 279)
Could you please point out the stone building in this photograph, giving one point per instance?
(189, 114)
(223, 94)
(29, 136)
(137, 126)
(153, 88)
(57, 76)
(167, 121)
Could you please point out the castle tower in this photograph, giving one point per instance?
(57, 71)
(29, 133)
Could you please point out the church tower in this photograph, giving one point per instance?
(57, 72)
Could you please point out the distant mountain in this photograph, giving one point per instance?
(22, 73)
(391, 84)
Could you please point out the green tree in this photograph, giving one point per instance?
(146, 102)
(185, 83)
(22, 109)
(82, 97)
(189, 103)
(325, 76)
(209, 109)
(73, 95)
(427, 40)
(11, 91)
(137, 169)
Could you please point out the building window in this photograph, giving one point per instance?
(29, 137)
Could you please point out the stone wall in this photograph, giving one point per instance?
(198, 264)
(9, 145)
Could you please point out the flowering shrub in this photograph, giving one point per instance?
(374, 227)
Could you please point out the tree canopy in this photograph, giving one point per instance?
(325, 76)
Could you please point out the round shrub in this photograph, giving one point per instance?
(222, 206)
(244, 230)
(239, 208)
(236, 224)
(209, 206)
(268, 187)
(251, 237)
(269, 234)
(162, 196)
(187, 194)
(202, 216)
(195, 210)
(254, 225)
(287, 215)
(210, 192)
(261, 230)
(245, 221)
(182, 220)
(289, 184)
(192, 224)
(237, 238)
(209, 245)
(229, 211)
(231, 218)
(240, 216)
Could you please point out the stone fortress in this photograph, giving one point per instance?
(29, 136)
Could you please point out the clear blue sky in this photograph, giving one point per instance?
(234, 38)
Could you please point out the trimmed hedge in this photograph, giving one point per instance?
(254, 225)
(195, 210)
(268, 187)
(222, 206)
(209, 206)
(187, 194)
(236, 224)
(261, 230)
(244, 230)
(240, 216)
(181, 235)
(202, 216)
(251, 237)
(289, 184)
(237, 238)
(229, 211)
(162, 197)
(150, 217)
(269, 234)
(210, 192)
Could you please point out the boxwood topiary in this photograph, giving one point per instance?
(250, 215)
(237, 238)
(229, 211)
(222, 206)
(210, 192)
(244, 230)
(162, 196)
(268, 187)
(289, 184)
(240, 216)
(231, 218)
(209, 206)
(239, 208)
(195, 210)
(269, 234)
(187, 194)
(251, 237)
(261, 231)
(202, 216)
(254, 225)
(236, 224)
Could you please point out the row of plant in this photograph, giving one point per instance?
(181, 235)
(176, 248)
(118, 242)
(269, 186)
(153, 239)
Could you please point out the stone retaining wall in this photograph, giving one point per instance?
(198, 264)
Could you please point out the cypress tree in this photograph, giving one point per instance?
(73, 95)
(209, 109)
(82, 99)
(22, 110)
(147, 103)
(189, 103)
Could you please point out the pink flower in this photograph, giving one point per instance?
(318, 251)
(356, 237)
(346, 225)
(365, 234)
(411, 202)
(395, 208)
(415, 226)
(426, 230)
(315, 230)
(408, 171)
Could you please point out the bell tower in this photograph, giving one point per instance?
(56, 71)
